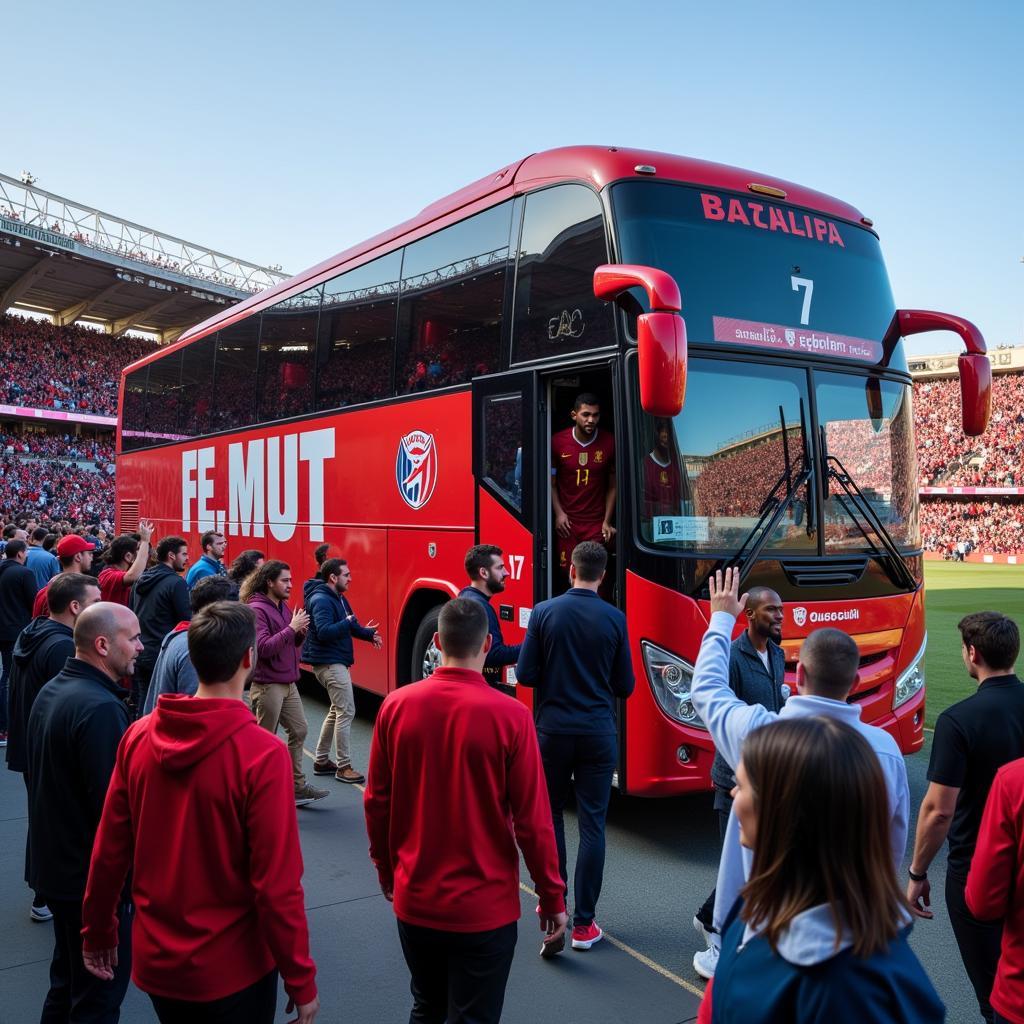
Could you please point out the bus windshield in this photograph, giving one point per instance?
(757, 273)
(740, 448)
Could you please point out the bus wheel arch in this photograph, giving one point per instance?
(418, 625)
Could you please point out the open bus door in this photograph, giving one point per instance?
(506, 457)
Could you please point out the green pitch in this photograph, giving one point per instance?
(952, 589)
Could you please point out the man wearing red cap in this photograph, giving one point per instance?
(75, 555)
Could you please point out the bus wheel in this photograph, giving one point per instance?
(425, 655)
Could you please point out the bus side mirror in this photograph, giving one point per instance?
(975, 368)
(661, 334)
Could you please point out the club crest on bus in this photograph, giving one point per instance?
(416, 468)
(799, 616)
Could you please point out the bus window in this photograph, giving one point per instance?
(356, 345)
(162, 393)
(235, 384)
(287, 340)
(503, 446)
(453, 287)
(133, 413)
(563, 241)
(196, 405)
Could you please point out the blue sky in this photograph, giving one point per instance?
(283, 133)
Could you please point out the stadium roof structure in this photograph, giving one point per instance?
(78, 263)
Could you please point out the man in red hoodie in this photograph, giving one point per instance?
(201, 809)
(446, 857)
(995, 885)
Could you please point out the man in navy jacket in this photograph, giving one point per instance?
(487, 574)
(576, 657)
(328, 649)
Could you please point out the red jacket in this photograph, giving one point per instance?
(277, 644)
(201, 809)
(995, 884)
(455, 783)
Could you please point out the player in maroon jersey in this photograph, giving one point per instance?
(583, 465)
(666, 486)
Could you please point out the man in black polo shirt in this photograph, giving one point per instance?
(487, 574)
(973, 740)
(576, 657)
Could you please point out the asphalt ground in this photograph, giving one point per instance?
(661, 863)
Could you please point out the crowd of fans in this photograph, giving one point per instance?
(948, 459)
(54, 490)
(954, 527)
(132, 251)
(70, 368)
(59, 447)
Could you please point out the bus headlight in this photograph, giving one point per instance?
(670, 678)
(911, 681)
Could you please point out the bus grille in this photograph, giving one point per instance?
(128, 516)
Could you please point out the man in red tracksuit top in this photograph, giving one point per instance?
(995, 885)
(447, 857)
(201, 809)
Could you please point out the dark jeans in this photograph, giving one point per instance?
(256, 1004)
(6, 656)
(458, 977)
(76, 996)
(589, 761)
(140, 687)
(706, 914)
(979, 943)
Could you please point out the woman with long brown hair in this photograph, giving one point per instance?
(820, 933)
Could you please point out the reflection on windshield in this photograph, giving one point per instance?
(867, 427)
(705, 477)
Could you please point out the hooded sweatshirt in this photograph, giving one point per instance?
(277, 644)
(814, 980)
(17, 593)
(332, 624)
(201, 809)
(40, 652)
(160, 600)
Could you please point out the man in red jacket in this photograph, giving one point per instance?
(201, 810)
(447, 857)
(995, 885)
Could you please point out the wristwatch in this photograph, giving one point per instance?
(917, 878)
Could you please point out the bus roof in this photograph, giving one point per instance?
(597, 165)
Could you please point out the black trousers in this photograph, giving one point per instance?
(706, 914)
(256, 1004)
(458, 977)
(76, 996)
(979, 943)
(6, 660)
(589, 763)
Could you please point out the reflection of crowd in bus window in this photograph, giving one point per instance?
(665, 484)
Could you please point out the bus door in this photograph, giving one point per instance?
(506, 462)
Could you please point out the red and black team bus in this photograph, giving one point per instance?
(399, 400)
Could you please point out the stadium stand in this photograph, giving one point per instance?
(70, 368)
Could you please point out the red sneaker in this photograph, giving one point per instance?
(585, 935)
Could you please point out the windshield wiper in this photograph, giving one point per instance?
(773, 508)
(891, 559)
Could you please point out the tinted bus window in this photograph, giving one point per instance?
(235, 382)
(133, 416)
(453, 287)
(195, 409)
(562, 243)
(287, 343)
(357, 334)
(162, 393)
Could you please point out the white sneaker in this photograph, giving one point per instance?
(705, 961)
(702, 931)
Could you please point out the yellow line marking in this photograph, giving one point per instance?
(637, 955)
(617, 943)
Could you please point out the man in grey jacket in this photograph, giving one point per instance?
(173, 671)
(757, 673)
(825, 675)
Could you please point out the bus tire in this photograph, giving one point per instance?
(422, 643)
